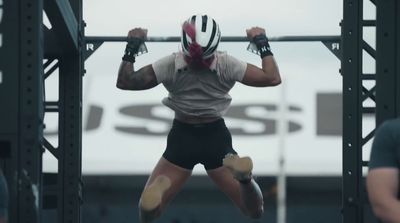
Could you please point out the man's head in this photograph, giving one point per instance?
(200, 37)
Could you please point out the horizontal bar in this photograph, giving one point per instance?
(368, 110)
(368, 76)
(51, 106)
(369, 23)
(92, 39)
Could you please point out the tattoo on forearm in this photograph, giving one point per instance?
(139, 79)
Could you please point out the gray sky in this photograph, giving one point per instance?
(163, 18)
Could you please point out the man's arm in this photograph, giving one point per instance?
(128, 79)
(268, 74)
(382, 186)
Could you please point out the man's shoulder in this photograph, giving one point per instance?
(391, 125)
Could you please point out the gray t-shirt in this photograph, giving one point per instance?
(385, 150)
(202, 93)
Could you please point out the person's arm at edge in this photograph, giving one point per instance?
(382, 186)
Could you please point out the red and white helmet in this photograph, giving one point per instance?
(207, 35)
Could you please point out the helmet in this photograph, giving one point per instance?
(206, 34)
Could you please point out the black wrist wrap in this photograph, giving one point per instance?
(132, 49)
(262, 44)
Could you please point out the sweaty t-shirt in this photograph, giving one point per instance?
(386, 146)
(202, 93)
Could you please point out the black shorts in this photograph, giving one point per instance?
(190, 144)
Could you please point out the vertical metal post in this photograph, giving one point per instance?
(70, 128)
(22, 106)
(388, 65)
(70, 141)
(352, 109)
(397, 20)
(9, 85)
(31, 110)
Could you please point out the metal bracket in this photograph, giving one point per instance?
(334, 47)
(91, 47)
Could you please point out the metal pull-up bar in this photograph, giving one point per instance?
(93, 39)
(331, 42)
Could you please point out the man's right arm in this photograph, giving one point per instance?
(382, 186)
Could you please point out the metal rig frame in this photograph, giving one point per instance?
(27, 49)
(30, 52)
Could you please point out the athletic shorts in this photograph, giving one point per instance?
(190, 144)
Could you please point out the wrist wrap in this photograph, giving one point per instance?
(132, 49)
(262, 44)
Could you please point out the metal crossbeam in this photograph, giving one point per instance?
(92, 39)
(63, 21)
(331, 42)
(368, 93)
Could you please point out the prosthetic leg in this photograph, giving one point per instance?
(150, 201)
